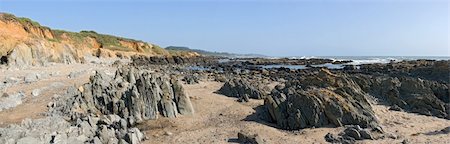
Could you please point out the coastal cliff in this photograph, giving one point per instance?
(26, 42)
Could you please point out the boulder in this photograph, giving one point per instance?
(353, 133)
(249, 139)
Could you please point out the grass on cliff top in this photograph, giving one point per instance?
(21, 20)
(160, 51)
(179, 53)
(106, 41)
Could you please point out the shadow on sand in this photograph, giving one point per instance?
(262, 116)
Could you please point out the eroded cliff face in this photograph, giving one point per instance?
(25, 42)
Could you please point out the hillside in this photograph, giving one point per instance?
(208, 53)
(26, 42)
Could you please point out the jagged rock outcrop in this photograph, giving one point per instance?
(244, 89)
(409, 93)
(133, 94)
(353, 133)
(288, 61)
(320, 100)
(55, 129)
(179, 60)
(106, 109)
(425, 69)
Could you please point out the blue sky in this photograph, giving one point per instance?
(276, 28)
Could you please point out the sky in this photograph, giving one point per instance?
(269, 27)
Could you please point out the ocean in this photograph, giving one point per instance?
(357, 60)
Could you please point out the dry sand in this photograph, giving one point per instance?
(218, 119)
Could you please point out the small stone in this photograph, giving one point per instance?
(446, 130)
(5, 95)
(167, 133)
(36, 92)
(30, 78)
(406, 141)
(351, 132)
(395, 108)
(50, 104)
(250, 139)
(331, 138)
(392, 136)
(365, 134)
(75, 74)
(80, 89)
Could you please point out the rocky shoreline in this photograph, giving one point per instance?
(109, 106)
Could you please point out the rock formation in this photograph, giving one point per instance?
(133, 94)
(191, 79)
(178, 60)
(409, 93)
(352, 133)
(424, 69)
(105, 109)
(320, 100)
(288, 61)
(244, 88)
(55, 129)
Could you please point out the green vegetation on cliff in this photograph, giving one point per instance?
(105, 41)
(181, 49)
(22, 20)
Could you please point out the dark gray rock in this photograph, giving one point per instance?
(242, 87)
(249, 139)
(407, 93)
(337, 101)
(331, 138)
(395, 108)
(191, 79)
(446, 130)
(133, 94)
(353, 133)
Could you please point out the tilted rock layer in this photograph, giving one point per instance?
(133, 94)
(244, 88)
(320, 100)
(409, 93)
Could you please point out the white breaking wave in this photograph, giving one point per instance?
(373, 60)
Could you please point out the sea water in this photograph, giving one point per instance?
(356, 60)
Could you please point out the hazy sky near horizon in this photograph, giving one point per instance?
(269, 27)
